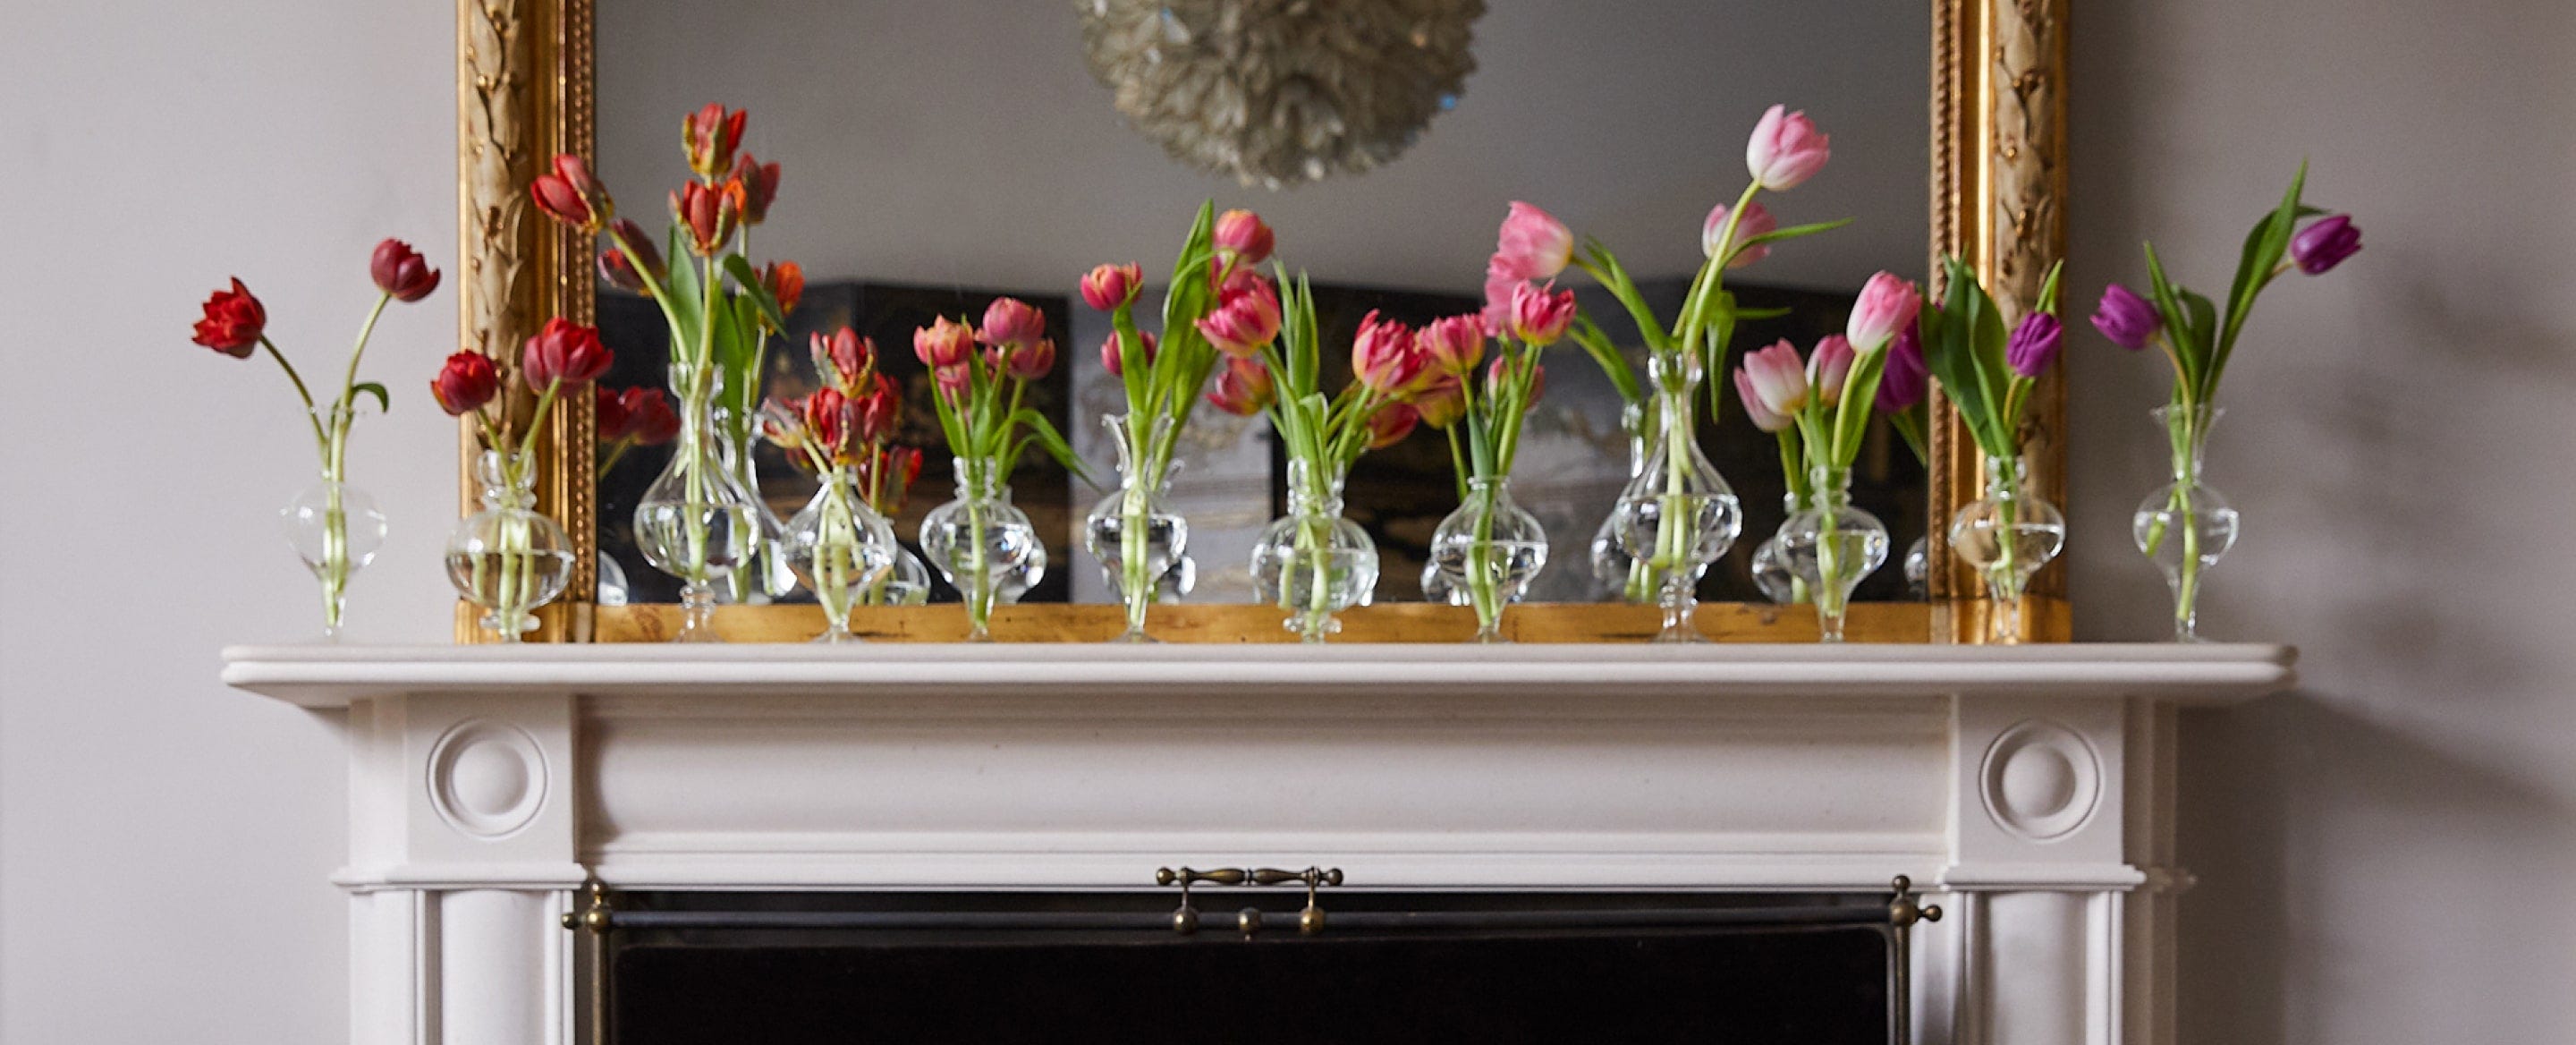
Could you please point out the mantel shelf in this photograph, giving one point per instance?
(336, 676)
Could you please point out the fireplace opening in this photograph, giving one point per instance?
(1421, 968)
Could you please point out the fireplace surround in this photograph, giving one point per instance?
(2027, 790)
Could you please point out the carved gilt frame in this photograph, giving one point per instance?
(524, 81)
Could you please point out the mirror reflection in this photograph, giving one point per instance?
(935, 157)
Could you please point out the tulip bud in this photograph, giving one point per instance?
(465, 383)
(1885, 306)
(649, 416)
(401, 272)
(1011, 321)
(829, 420)
(943, 344)
(709, 212)
(1778, 380)
(785, 283)
(1391, 423)
(1442, 402)
(1241, 236)
(2034, 344)
(625, 237)
(1906, 381)
(1754, 408)
(709, 136)
(1111, 360)
(2130, 321)
(1384, 359)
(233, 321)
(1532, 244)
(563, 353)
(571, 196)
(842, 357)
(1106, 286)
(1500, 286)
(1029, 362)
(1453, 345)
(759, 188)
(1246, 319)
(1540, 315)
(1757, 221)
(609, 422)
(782, 423)
(954, 382)
(1243, 388)
(880, 410)
(1785, 150)
(1828, 366)
(2324, 245)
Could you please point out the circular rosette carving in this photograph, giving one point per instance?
(487, 779)
(2040, 780)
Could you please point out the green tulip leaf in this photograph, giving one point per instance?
(748, 279)
(384, 400)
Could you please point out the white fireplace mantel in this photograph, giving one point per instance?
(2030, 788)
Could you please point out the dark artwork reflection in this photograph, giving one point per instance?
(889, 313)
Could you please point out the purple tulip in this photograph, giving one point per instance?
(2324, 245)
(2128, 320)
(1905, 381)
(2034, 344)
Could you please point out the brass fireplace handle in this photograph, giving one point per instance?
(1185, 919)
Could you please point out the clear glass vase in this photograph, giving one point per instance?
(906, 583)
(1133, 533)
(2185, 526)
(1312, 562)
(985, 547)
(336, 529)
(1830, 546)
(1918, 569)
(507, 558)
(1770, 570)
(696, 522)
(1487, 552)
(768, 574)
(2006, 536)
(840, 548)
(1616, 573)
(1677, 514)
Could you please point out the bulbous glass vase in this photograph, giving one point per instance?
(1678, 514)
(1615, 573)
(335, 528)
(1918, 569)
(985, 547)
(1133, 533)
(840, 548)
(1770, 571)
(507, 558)
(696, 522)
(2185, 526)
(1830, 546)
(1312, 562)
(1486, 553)
(907, 583)
(2006, 536)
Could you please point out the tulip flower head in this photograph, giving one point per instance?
(1532, 245)
(1245, 319)
(1886, 305)
(709, 136)
(1777, 378)
(1828, 367)
(2130, 321)
(1241, 236)
(1028, 362)
(1453, 345)
(1785, 150)
(572, 196)
(1500, 285)
(843, 358)
(1760, 414)
(710, 213)
(1106, 286)
(1541, 314)
(1757, 221)
(1243, 388)
(1906, 381)
(1391, 423)
(785, 282)
(401, 272)
(1383, 356)
(1110, 356)
(954, 382)
(880, 410)
(625, 238)
(1538, 383)
(2034, 344)
(466, 383)
(1011, 321)
(608, 420)
(1442, 402)
(829, 421)
(650, 420)
(759, 188)
(2324, 244)
(943, 344)
(233, 321)
(563, 353)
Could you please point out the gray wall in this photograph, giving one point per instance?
(2382, 854)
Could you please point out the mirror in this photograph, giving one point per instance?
(935, 155)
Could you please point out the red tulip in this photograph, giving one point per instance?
(785, 282)
(1533, 244)
(1011, 321)
(1243, 388)
(1391, 423)
(1384, 359)
(1785, 149)
(1442, 402)
(649, 417)
(709, 212)
(401, 271)
(233, 322)
(709, 136)
(842, 357)
(1109, 353)
(1541, 314)
(943, 344)
(830, 420)
(1107, 286)
(759, 188)
(619, 270)
(466, 383)
(1241, 236)
(570, 195)
(609, 422)
(1245, 319)
(563, 353)
(1453, 345)
(879, 410)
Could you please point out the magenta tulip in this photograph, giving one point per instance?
(1241, 235)
(2325, 244)
(2034, 344)
(2130, 321)
(1887, 304)
(1541, 314)
(1384, 358)
(1110, 357)
(1785, 149)
(1247, 319)
(1906, 381)
(1106, 287)
(1011, 321)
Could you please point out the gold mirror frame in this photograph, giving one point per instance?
(524, 83)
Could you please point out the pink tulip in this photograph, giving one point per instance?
(954, 381)
(1027, 362)
(1453, 344)
(1538, 383)
(1533, 244)
(1110, 357)
(1778, 379)
(1391, 423)
(1241, 235)
(1442, 402)
(1106, 287)
(1886, 305)
(1011, 321)
(1499, 285)
(1761, 415)
(1383, 356)
(1540, 315)
(1243, 388)
(1828, 366)
(1246, 319)
(1757, 222)
(943, 344)
(1785, 149)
